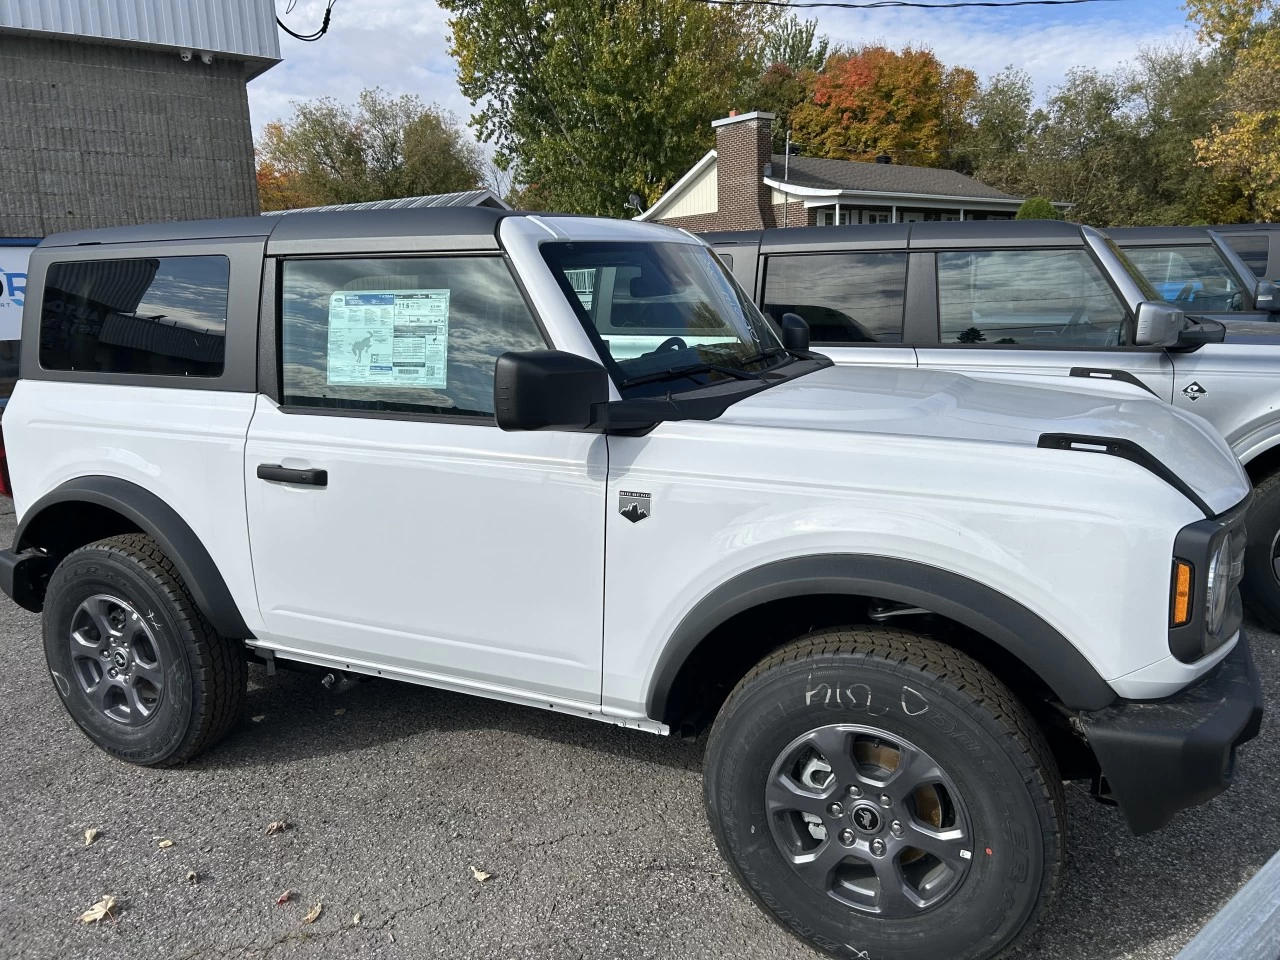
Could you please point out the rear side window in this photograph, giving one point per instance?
(1252, 250)
(413, 335)
(844, 297)
(161, 316)
(1042, 298)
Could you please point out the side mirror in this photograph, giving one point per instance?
(795, 332)
(547, 390)
(1266, 296)
(1159, 324)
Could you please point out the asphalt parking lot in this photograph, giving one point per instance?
(593, 837)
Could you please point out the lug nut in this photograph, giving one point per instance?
(112, 673)
(877, 847)
(106, 654)
(886, 800)
(895, 828)
(846, 837)
(835, 809)
(854, 791)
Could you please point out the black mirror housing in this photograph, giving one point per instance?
(547, 390)
(795, 333)
(1200, 332)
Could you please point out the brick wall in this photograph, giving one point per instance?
(743, 147)
(98, 135)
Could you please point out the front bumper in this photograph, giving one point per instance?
(1161, 756)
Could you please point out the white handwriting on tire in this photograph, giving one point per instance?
(858, 697)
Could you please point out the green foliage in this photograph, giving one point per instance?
(795, 43)
(381, 149)
(587, 101)
(1037, 208)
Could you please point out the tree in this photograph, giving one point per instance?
(872, 101)
(1245, 142)
(993, 146)
(381, 149)
(1037, 208)
(795, 43)
(589, 101)
(793, 54)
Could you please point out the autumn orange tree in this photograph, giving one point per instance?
(872, 100)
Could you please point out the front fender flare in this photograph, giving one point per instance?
(162, 523)
(1021, 632)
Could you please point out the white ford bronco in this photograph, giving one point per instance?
(565, 462)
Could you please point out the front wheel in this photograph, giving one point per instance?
(882, 795)
(1261, 583)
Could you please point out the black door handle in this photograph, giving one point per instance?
(273, 471)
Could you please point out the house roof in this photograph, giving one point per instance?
(466, 198)
(819, 174)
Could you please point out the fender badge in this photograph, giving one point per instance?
(634, 506)
(1194, 391)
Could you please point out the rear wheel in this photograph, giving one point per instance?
(1261, 584)
(882, 795)
(139, 668)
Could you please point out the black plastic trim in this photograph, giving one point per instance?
(1106, 373)
(1022, 633)
(1162, 756)
(159, 520)
(1125, 450)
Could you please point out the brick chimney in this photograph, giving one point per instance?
(744, 145)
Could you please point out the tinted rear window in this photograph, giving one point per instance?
(1252, 249)
(162, 316)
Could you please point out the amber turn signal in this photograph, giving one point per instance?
(1181, 593)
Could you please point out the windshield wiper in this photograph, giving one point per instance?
(766, 354)
(681, 372)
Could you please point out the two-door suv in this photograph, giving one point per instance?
(565, 462)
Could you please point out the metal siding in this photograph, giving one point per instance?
(238, 27)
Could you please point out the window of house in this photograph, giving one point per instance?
(163, 316)
(414, 335)
(1190, 276)
(1252, 250)
(1051, 298)
(844, 297)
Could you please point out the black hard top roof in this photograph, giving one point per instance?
(1243, 227)
(307, 228)
(1155, 235)
(919, 235)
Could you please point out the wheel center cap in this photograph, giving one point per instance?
(121, 660)
(866, 818)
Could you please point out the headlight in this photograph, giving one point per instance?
(1218, 586)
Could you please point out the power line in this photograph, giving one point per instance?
(881, 4)
(309, 37)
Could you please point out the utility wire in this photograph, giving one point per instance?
(309, 37)
(881, 4)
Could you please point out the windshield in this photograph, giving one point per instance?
(1192, 277)
(664, 313)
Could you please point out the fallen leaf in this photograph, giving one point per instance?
(480, 875)
(99, 911)
(90, 835)
(340, 711)
(259, 718)
(355, 921)
(284, 898)
(166, 844)
(277, 826)
(193, 877)
(314, 914)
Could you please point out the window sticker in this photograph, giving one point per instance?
(396, 337)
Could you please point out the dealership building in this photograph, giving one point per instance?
(122, 111)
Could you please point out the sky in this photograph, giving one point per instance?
(402, 45)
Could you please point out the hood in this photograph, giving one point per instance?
(949, 406)
(1255, 332)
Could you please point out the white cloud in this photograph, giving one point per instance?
(403, 47)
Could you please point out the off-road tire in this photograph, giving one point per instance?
(959, 713)
(204, 674)
(1260, 587)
